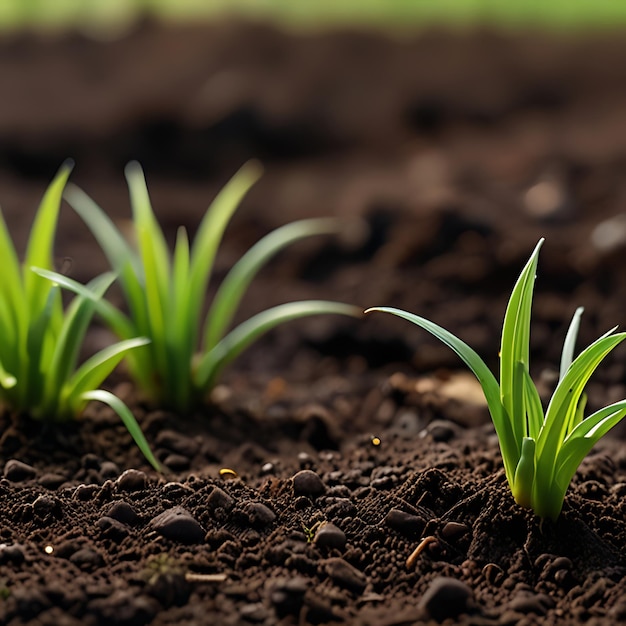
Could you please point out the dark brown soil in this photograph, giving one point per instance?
(457, 152)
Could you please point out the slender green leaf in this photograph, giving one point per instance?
(532, 404)
(567, 356)
(568, 393)
(92, 373)
(209, 236)
(39, 250)
(70, 339)
(106, 397)
(246, 333)
(238, 279)
(120, 255)
(515, 346)
(508, 444)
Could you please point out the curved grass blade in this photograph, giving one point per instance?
(247, 332)
(240, 276)
(92, 373)
(120, 255)
(569, 345)
(532, 404)
(565, 400)
(106, 397)
(508, 444)
(208, 238)
(515, 346)
(41, 240)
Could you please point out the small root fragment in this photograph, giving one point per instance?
(191, 577)
(424, 543)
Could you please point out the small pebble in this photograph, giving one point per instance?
(330, 536)
(259, 514)
(219, 501)
(45, 506)
(16, 471)
(446, 598)
(11, 554)
(123, 512)
(179, 525)
(51, 481)
(454, 530)
(85, 492)
(86, 559)
(176, 462)
(112, 529)
(132, 480)
(308, 483)
(441, 430)
(404, 522)
(346, 575)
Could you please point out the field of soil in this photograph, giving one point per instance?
(364, 485)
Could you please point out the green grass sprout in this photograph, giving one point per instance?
(41, 341)
(541, 452)
(165, 293)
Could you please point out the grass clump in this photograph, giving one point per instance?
(40, 341)
(165, 293)
(541, 451)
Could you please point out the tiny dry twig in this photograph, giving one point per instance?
(190, 577)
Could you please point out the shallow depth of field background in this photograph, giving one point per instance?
(390, 14)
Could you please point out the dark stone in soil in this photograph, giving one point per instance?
(13, 554)
(123, 512)
(219, 503)
(179, 525)
(446, 598)
(132, 480)
(329, 536)
(345, 575)
(112, 529)
(51, 481)
(404, 522)
(259, 514)
(308, 483)
(16, 471)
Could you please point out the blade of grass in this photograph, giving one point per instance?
(240, 276)
(569, 345)
(515, 345)
(39, 249)
(247, 332)
(127, 418)
(208, 238)
(491, 389)
(92, 373)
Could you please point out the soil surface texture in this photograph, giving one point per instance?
(345, 471)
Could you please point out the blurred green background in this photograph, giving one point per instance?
(390, 14)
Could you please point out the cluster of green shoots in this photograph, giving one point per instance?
(41, 341)
(541, 451)
(174, 354)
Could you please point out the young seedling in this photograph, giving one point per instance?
(541, 452)
(165, 295)
(41, 342)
